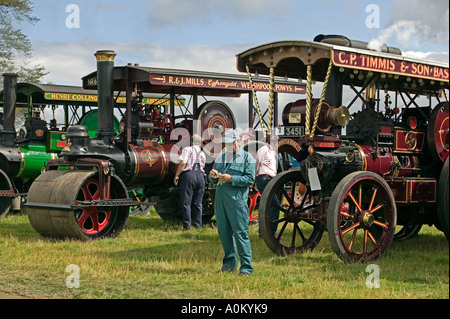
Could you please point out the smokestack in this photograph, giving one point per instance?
(9, 108)
(105, 83)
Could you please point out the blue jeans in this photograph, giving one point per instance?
(261, 183)
(192, 188)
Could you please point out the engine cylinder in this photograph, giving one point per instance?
(150, 165)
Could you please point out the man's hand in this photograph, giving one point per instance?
(176, 180)
(225, 178)
(214, 174)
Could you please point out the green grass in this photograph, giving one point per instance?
(154, 259)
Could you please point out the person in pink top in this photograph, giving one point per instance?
(266, 169)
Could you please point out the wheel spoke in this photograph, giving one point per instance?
(373, 198)
(365, 242)
(301, 233)
(351, 228)
(304, 197)
(352, 241)
(371, 237)
(95, 221)
(355, 202)
(345, 214)
(281, 231)
(279, 220)
(289, 199)
(278, 207)
(294, 231)
(376, 208)
(360, 196)
(380, 224)
(83, 217)
(86, 193)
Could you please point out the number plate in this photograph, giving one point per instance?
(294, 131)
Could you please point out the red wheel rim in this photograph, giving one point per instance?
(366, 218)
(91, 220)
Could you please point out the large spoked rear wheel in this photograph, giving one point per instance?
(298, 227)
(58, 189)
(361, 217)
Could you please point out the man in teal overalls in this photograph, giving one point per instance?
(233, 173)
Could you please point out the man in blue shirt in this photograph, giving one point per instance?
(233, 173)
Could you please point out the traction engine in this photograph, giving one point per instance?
(22, 159)
(389, 168)
(382, 173)
(84, 193)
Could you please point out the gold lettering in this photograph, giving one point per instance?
(403, 67)
(382, 65)
(353, 58)
(341, 59)
(392, 65)
(373, 63)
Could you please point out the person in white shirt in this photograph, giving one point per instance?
(266, 169)
(190, 179)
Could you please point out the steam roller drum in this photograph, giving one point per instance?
(213, 119)
(61, 189)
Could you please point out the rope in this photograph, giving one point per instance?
(308, 99)
(255, 98)
(271, 100)
(322, 97)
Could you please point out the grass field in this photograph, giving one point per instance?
(154, 259)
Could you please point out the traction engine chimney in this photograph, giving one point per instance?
(105, 83)
(9, 108)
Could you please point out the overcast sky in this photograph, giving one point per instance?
(207, 34)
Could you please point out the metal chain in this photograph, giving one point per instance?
(258, 110)
(322, 97)
(271, 100)
(308, 100)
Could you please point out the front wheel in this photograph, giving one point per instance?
(289, 219)
(362, 217)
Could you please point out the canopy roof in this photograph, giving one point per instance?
(157, 80)
(50, 94)
(291, 58)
